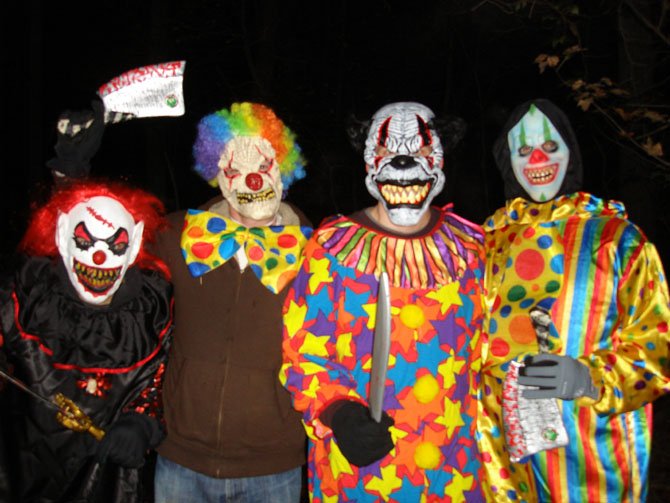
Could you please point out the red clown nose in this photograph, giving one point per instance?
(538, 156)
(99, 257)
(254, 181)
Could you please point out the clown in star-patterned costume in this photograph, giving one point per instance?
(436, 305)
(604, 286)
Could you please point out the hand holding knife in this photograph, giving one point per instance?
(68, 413)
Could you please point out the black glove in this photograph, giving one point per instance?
(361, 439)
(556, 376)
(127, 440)
(79, 137)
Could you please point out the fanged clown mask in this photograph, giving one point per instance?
(98, 240)
(404, 160)
(249, 177)
(539, 155)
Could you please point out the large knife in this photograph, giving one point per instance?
(380, 348)
(147, 91)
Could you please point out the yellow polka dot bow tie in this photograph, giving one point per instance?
(210, 240)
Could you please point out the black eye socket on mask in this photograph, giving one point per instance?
(82, 244)
(82, 238)
(525, 150)
(550, 146)
(118, 243)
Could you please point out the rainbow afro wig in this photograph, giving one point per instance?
(246, 119)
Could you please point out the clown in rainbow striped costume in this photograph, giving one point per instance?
(424, 447)
(604, 287)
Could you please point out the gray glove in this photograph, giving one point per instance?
(556, 376)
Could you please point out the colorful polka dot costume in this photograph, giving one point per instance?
(603, 282)
(433, 374)
(210, 240)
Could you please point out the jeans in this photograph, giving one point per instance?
(176, 484)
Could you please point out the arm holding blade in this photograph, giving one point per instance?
(361, 433)
(68, 413)
(79, 135)
(150, 91)
(532, 423)
(552, 375)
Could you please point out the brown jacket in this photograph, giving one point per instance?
(226, 413)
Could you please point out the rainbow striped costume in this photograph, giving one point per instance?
(610, 308)
(437, 309)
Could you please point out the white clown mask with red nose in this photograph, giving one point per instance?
(539, 155)
(249, 177)
(404, 160)
(98, 240)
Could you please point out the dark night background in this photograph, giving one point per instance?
(315, 63)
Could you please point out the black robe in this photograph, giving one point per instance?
(108, 359)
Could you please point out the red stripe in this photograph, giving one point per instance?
(554, 472)
(22, 333)
(590, 458)
(618, 449)
(100, 370)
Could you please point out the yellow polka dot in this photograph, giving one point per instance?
(426, 388)
(412, 316)
(427, 456)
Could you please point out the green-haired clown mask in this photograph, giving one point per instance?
(539, 155)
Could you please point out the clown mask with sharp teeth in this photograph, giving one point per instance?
(98, 241)
(539, 155)
(404, 160)
(249, 177)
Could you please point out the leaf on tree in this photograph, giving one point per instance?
(577, 84)
(616, 91)
(654, 116)
(585, 103)
(623, 114)
(573, 49)
(544, 61)
(652, 148)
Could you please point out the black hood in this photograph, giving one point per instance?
(501, 153)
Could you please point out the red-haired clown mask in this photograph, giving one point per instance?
(98, 240)
(404, 160)
(249, 177)
(539, 155)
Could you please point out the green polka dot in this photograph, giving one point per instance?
(523, 487)
(516, 293)
(552, 286)
(271, 263)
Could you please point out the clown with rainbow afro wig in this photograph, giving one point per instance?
(232, 259)
(250, 154)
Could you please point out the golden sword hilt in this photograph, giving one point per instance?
(73, 418)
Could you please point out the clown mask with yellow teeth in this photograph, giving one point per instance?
(98, 241)
(404, 160)
(539, 155)
(249, 178)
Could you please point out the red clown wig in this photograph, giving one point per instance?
(40, 238)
